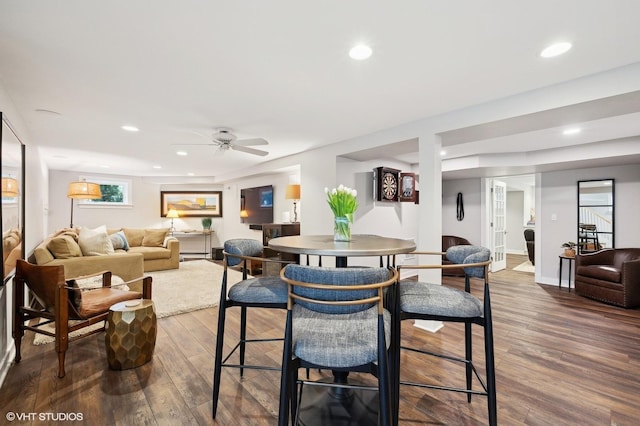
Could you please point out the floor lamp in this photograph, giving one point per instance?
(9, 187)
(82, 191)
(293, 193)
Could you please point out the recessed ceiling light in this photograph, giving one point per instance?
(572, 131)
(443, 153)
(104, 166)
(191, 174)
(555, 49)
(182, 153)
(157, 167)
(360, 52)
(129, 128)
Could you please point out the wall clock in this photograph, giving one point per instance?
(387, 185)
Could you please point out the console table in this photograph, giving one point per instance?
(186, 235)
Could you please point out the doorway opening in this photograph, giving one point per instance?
(510, 212)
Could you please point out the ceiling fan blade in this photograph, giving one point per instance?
(198, 133)
(194, 144)
(249, 150)
(250, 142)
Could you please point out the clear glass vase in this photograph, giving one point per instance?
(341, 229)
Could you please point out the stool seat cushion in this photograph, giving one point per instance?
(338, 340)
(433, 299)
(260, 290)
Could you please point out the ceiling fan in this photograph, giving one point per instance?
(225, 140)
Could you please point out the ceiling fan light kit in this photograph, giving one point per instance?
(224, 140)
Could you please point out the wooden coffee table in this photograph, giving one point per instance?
(130, 337)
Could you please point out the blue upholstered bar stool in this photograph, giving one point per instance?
(267, 292)
(426, 301)
(336, 321)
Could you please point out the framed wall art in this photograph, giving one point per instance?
(191, 204)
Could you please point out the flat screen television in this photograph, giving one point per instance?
(258, 203)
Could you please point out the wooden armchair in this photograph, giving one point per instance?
(61, 301)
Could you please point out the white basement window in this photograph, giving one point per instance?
(115, 192)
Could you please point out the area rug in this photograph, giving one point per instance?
(525, 267)
(195, 285)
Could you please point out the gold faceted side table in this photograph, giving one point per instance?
(131, 334)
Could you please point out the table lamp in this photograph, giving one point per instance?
(172, 214)
(82, 191)
(293, 193)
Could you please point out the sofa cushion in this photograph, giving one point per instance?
(154, 237)
(119, 241)
(152, 253)
(64, 247)
(95, 242)
(134, 236)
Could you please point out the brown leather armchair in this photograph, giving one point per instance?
(62, 300)
(450, 241)
(610, 275)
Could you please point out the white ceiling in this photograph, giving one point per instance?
(77, 70)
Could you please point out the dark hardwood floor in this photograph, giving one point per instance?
(561, 360)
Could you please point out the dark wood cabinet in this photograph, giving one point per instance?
(275, 230)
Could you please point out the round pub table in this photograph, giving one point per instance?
(131, 334)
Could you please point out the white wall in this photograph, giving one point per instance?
(471, 226)
(397, 220)
(559, 198)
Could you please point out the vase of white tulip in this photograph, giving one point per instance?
(343, 203)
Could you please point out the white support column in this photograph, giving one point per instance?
(430, 211)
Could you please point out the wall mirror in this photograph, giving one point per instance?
(12, 212)
(596, 215)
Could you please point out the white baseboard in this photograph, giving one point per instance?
(521, 252)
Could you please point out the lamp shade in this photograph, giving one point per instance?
(84, 190)
(292, 192)
(173, 214)
(9, 187)
(244, 214)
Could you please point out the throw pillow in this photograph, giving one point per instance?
(95, 242)
(64, 247)
(154, 237)
(134, 236)
(119, 241)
